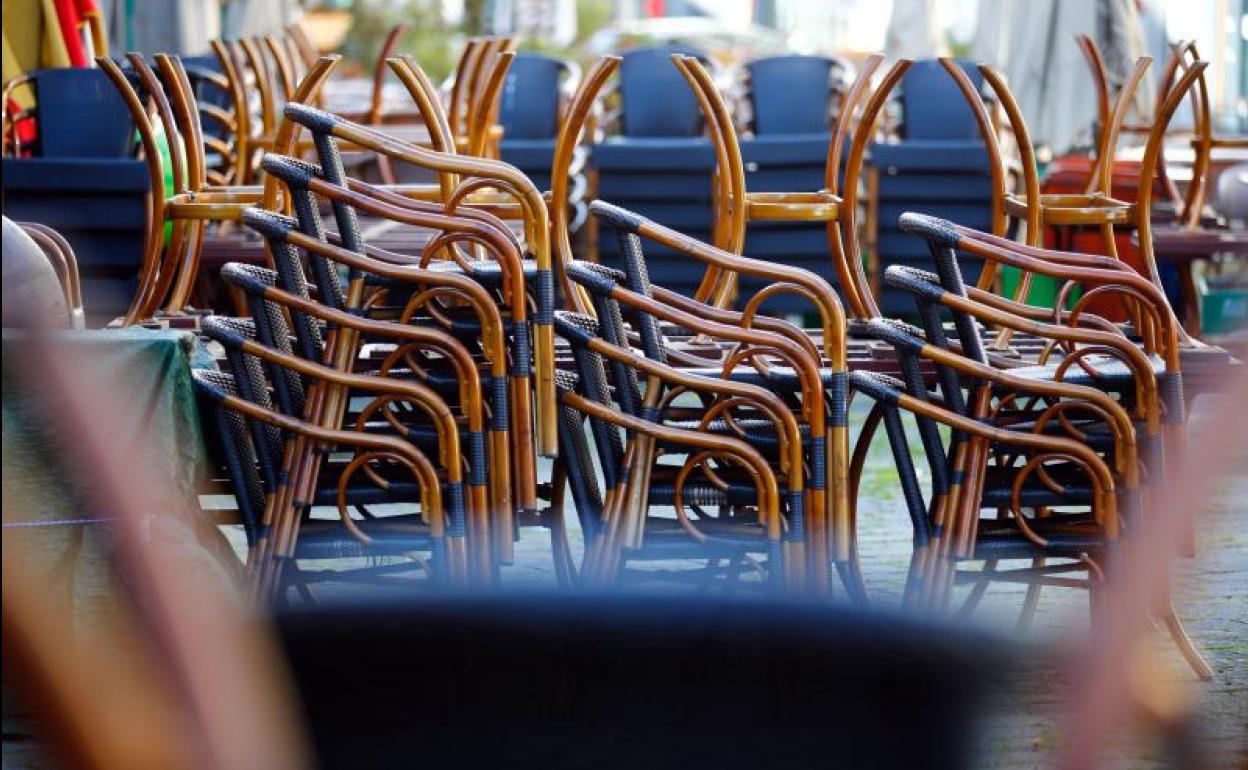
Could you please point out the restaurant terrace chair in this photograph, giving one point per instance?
(170, 266)
(933, 162)
(478, 173)
(391, 462)
(530, 110)
(988, 465)
(814, 378)
(736, 208)
(655, 158)
(1097, 209)
(427, 298)
(81, 177)
(791, 103)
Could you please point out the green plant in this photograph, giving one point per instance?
(429, 38)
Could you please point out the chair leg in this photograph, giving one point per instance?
(977, 591)
(1184, 642)
(1032, 600)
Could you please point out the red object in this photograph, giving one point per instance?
(1069, 174)
(655, 8)
(70, 14)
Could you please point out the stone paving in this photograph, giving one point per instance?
(1025, 725)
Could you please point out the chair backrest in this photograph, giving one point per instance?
(81, 115)
(933, 107)
(657, 101)
(790, 94)
(529, 107)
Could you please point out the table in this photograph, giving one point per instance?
(42, 505)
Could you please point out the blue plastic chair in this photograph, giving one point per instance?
(659, 164)
(792, 101)
(84, 182)
(529, 114)
(939, 167)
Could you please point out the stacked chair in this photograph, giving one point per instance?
(379, 413)
(655, 158)
(932, 160)
(792, 101)
(81, 178)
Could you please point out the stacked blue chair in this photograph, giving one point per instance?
(82, 179)
(791, 102)
(659, 164)
(936, 165)
(529, 111)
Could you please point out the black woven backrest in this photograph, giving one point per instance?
(250, 384)
(275, 229)
(272, 331)
(593, 384)
(296, 175)
(233, 441)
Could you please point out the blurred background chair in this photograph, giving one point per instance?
(935, 162)
(81, 177)
(655, 160)
(791, 103)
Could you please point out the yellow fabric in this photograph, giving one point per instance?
(32, 40)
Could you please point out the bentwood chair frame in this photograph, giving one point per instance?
(168, 273)
(409, 341)
(479, 173)
(279, 527)
(303, 182)
(1095, 209)
(819, 379)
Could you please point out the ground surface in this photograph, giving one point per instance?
(1025, 727)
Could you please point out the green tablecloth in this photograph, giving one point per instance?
(44, 503)
(49, 522)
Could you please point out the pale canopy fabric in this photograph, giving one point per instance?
(915, 31)
(1033, 42)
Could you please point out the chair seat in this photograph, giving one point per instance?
(931, 155)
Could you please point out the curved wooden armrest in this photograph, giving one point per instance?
(765, 480)
(821, 293)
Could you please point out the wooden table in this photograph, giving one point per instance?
(1181, 247)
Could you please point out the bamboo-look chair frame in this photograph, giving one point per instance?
(479, 173)
(475, 230)
(1097, 208)
(326, 406)
(342, 347)
(243, 151)
(282, 516)
(825, 205)
(165, 284)
(579, 118)
(797, 351)
(483, 502)
(1158, 396)
(626, 501)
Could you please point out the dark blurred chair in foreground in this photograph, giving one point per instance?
(626, 681)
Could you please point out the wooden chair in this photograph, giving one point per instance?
(990, 461)
(1096, 209)
(169, 272)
